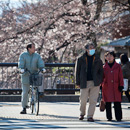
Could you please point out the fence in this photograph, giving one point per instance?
(59, 78)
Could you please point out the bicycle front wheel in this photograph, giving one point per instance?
(30, 101)
(36, 102)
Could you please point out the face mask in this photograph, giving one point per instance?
(92, 52)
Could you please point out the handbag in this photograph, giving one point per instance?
(125, 84)
(102, 105)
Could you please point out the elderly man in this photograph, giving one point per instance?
(89, 74)
(31, 61)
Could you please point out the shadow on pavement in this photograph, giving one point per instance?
(12, 123)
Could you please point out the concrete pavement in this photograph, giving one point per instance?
(58, 115)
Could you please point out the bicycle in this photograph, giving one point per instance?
(33, 95)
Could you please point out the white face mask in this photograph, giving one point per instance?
(92, 52)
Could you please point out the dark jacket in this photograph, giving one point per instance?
(81, 71)
(126, 71)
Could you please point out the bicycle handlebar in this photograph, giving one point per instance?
(43, 71)
(26, 70)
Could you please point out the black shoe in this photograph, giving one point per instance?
(109, 120)
(23, 111)
(90, 119)
(128, 107)
(81, 117)
(118, 119)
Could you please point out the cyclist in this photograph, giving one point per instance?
(31, 61)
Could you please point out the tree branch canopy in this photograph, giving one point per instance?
(60, 27)
(99, 8)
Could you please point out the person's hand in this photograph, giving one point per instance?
(120, 88)
(78, 86)
(22, 71)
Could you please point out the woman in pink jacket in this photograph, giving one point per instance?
(112, 86)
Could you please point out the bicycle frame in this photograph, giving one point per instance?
(33, 93)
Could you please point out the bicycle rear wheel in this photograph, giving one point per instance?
(36, 101)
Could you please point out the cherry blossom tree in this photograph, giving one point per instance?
(60, 28)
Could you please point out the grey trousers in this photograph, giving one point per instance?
(24, 99)
(92, 93)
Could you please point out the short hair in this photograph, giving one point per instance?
(124, 58)
(29, 45)
(89, 44)
(111, 53)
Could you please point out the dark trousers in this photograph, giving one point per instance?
(117, 108)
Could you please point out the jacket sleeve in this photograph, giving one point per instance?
(121, 82)
(77, 72)
(40, 63)
(21, 62)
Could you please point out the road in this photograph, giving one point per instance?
(58, 115)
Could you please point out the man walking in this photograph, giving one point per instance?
(89, 75)
(31, 61)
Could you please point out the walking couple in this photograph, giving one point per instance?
(90, 75)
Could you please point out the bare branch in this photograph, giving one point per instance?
(99, 8)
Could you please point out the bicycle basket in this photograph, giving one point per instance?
(36, 79)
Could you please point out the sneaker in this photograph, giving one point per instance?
(81, 117)
(23, 111)
(97, 105)
(27, 107)
(90, 119)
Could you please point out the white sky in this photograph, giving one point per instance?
(15, 3)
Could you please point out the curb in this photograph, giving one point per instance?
(47, 98)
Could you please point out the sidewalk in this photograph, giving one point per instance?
(59, 113)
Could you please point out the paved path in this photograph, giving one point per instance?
(59, 115)
(62, 124)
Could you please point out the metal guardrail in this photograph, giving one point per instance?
(46, 64)
(59, 78)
